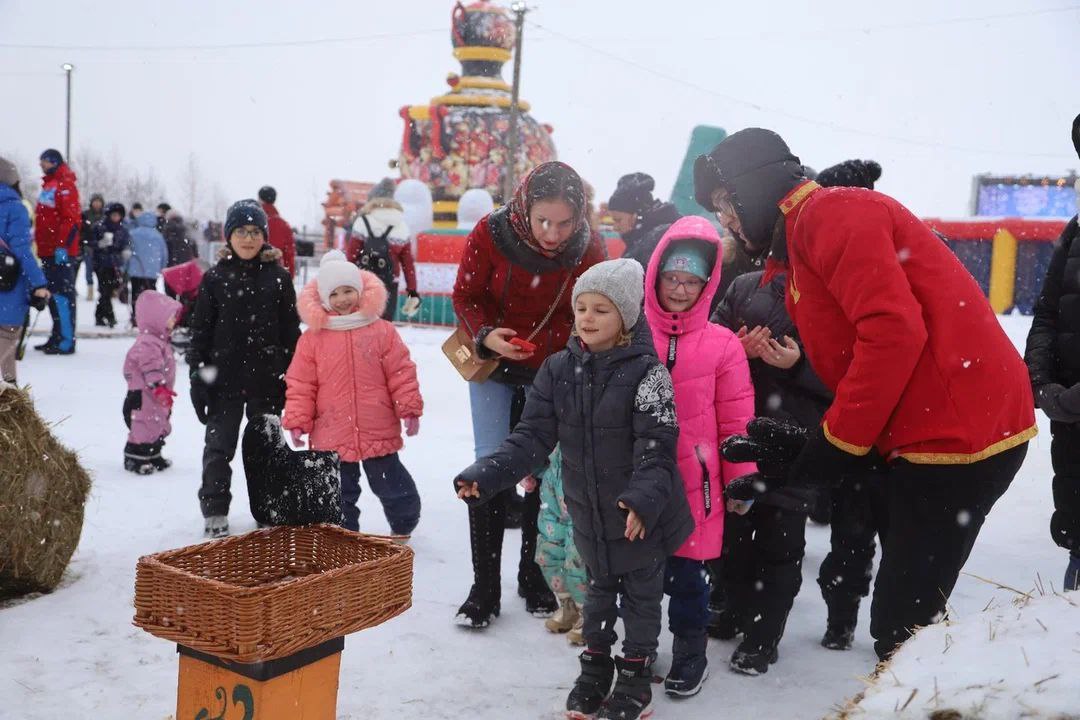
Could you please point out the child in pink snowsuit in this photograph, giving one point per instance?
(150, 371)
(351, 385)
(714, 399)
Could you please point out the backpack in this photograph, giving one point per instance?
(9, 268)
(375, 257)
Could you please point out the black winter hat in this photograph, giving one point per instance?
(851, 173)
(268, 194)
(115, 207)
(53, 156)
(633, 194)
(245, 212)
(758, 169)
(1076, 134)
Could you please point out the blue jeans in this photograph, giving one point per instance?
(391, 483)
(60, 279)
(686, 584)
(490, 402)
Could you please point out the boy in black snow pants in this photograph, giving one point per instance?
(760, 573)
(609, 403)
(1053, 360)
(243, 334)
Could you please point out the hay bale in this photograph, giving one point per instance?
(43, 492)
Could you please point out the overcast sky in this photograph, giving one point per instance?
(936, 92)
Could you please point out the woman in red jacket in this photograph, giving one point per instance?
(923, 375)
(513, 285)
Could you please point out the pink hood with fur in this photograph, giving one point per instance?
(350, 389)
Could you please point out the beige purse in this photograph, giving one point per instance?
(460, 349)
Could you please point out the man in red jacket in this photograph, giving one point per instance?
(281, 235)
(925, 378)
(56, 235)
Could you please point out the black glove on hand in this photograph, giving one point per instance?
(749, 487)
(1058, 403)
(822, 463)
(37, 302)
(200, 396)
(766, 440)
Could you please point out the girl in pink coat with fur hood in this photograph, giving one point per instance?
(714, 399)
(351, 385)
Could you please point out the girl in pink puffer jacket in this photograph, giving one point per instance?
(351, 385)
(714, 399)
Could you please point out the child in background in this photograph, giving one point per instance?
(609, 405)
(558, 556)
(150, 371)
(352, 385)
(761, 569)
(147, 257)
(714, 400)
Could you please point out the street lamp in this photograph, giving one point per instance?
(67, 68)
(519, 9)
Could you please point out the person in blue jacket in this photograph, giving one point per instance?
(147, 257)
(29, 285)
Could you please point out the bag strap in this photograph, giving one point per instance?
(551, 310)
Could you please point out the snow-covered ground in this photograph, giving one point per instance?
(74, 653)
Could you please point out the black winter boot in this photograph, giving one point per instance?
(591, 687)
(840, 628)
(753, 659)
(485, 537)
(689, 666)
(723, 623)
(632, 697)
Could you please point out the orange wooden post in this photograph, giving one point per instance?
(301, 686)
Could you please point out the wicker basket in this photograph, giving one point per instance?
(272, 592)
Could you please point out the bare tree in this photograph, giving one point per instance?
(191, 186)
(99, 175)
(219, 203)
(144, 188)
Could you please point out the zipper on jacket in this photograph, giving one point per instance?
(673, 341)
(706, 483)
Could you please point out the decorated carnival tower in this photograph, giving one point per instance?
(460, 140)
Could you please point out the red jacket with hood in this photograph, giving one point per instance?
(58, 216)
(281, 237)
(898, 328)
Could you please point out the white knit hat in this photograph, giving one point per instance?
(621, 281)
(335, 271)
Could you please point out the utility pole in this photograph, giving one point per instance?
(68, 67)
(509, 181)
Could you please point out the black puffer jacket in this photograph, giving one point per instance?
(794, 395)
(1053, 344)
(245, 325)
(613, 414)
(651, 226)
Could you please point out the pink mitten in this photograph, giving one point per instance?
(297, 436)
(528, 483)
(412, 426)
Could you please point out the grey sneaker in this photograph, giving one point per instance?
(217, 526)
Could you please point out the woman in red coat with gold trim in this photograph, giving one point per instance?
(924, 376)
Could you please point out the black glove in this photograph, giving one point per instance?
(200, 396)
(749, 487)
(38, 303)
(1059, 403)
